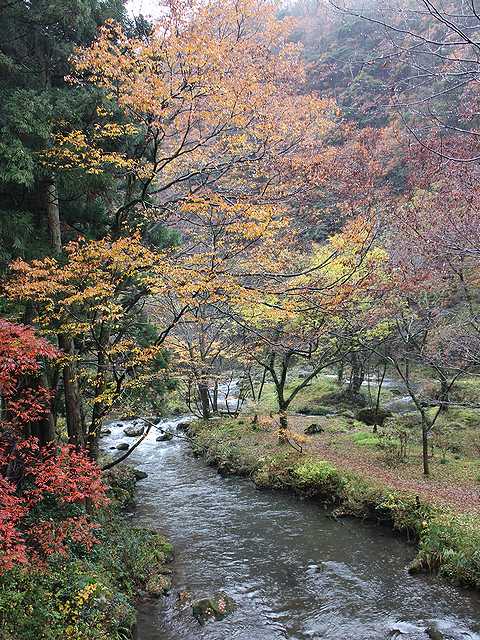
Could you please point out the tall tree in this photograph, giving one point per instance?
(36, 41)
(213, 99)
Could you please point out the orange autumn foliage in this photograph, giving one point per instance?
(214, 96)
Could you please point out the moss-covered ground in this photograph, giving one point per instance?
(350, 444)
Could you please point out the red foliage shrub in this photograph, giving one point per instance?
(43, 490)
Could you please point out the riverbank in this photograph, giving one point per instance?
(345, 438)
(447, 540)
(90, 595)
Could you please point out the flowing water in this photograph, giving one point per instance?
(293, 571)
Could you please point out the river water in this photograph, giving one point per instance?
(293, 571)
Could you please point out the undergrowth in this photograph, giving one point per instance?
(86, 595)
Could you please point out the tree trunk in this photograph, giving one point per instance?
(380, 381)
(94, 434)
(100, 407)
(204, 400)
(215, 398)
(44, 429)
(282, 433)
(425, 429)
(73, 406)
(95, 427)
(340, 372)
(357, 376)
(53, 214)
(444, 395)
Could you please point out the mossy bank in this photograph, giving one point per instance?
(89, 595)
(448, 542)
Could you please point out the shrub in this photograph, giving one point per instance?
(318, 479)
(450, 544)
(371, 416)
(444, 437)
(314, 410)
(360, 498)
(396, 436)
(405, 512)
(69, 600)
(84, 595)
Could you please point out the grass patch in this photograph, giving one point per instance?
(467, 390)
(366, 439)
(319, 398)
(308, 400)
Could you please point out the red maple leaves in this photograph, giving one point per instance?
(24, 398)
(43, 490)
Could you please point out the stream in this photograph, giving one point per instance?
(293, 571)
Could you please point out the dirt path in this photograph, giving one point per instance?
(463, 498)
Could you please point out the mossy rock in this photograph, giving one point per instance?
(314, 428)
(123, 446)
(134, 430)
(434, 634)
(397, 393)
(216, 607)
(371, 416)
(121, 481)
(312, 410)
(165, 437)
(158, 584)
(344, 398)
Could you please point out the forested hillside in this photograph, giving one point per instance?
(245, 212)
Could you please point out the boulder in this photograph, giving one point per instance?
(396, 392)
(315, 410)
(216, 607)
(406, 630)
(183, 597)
(353, 399)
(183, 426)
(165, 437)
(434, 633)
(339, 398)
(371, 416)
(123, 446)
(105, 432)
(139, 475)
(314, 428)
(134, 430)
(158, 584)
